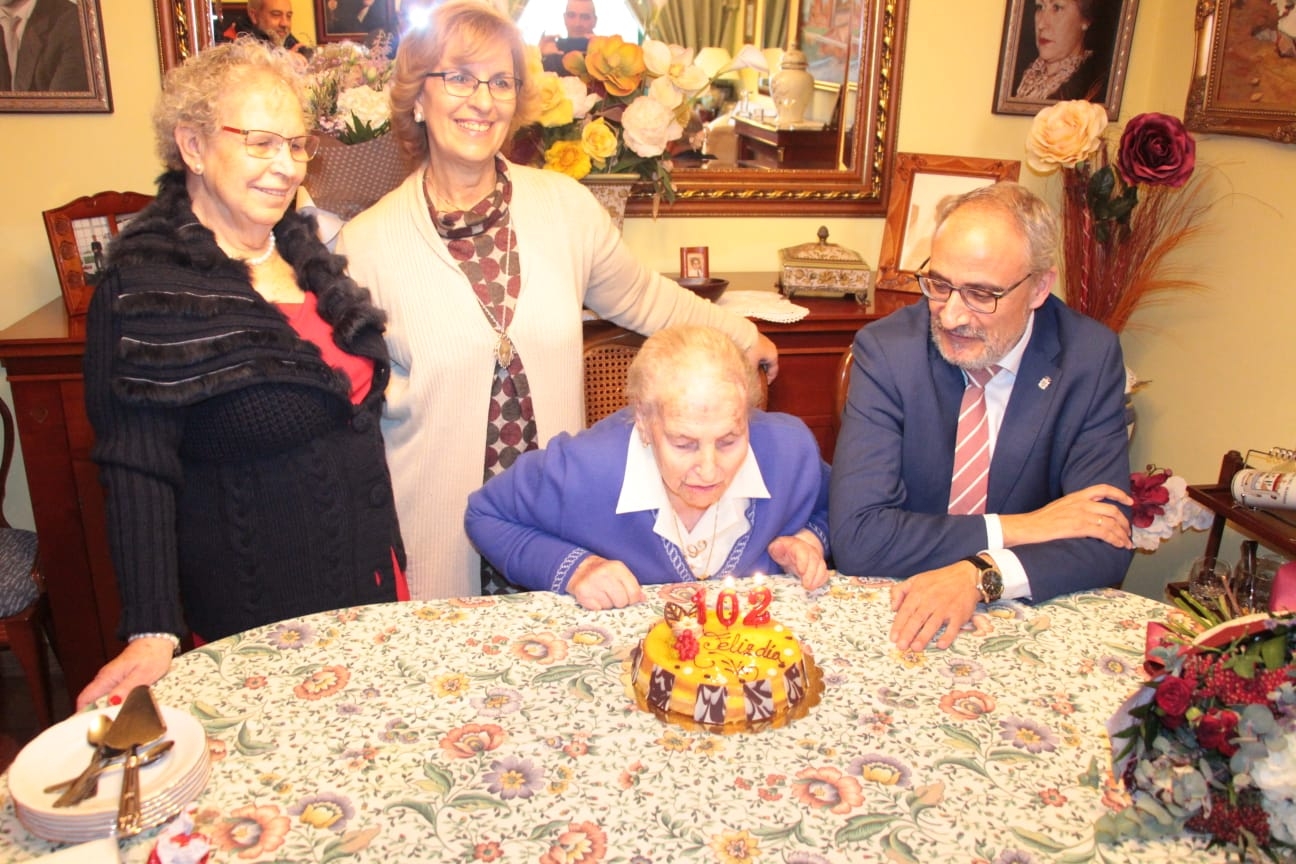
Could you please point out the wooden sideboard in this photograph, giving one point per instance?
(42, 357)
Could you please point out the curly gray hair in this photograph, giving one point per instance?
(192, 92)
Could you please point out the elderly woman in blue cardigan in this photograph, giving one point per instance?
(688, 482)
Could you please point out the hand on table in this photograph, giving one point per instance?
(142, 661)
(925, 602)
(1086, 513)
(801, 554)
(602, 584)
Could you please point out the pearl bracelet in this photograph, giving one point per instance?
(170, 637)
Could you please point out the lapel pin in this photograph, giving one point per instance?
(1045, 382)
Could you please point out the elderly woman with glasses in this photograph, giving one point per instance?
(483, 268)
(234, 377)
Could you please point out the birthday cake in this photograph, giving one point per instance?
(697, 671)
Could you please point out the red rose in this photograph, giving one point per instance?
(1149, 494)
(1173, 696)
(1215, 731)
(1157, 150)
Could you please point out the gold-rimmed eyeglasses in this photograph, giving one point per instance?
(461, 85)
(265, 145)
(978, 299)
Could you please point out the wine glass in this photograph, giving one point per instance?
(1253, 580)
(1206, 579)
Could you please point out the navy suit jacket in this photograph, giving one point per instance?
(1063, 429)
(51, 56)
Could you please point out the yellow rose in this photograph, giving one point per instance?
(1064, 134)
(599, 141)
(555, 107)
(569, 158)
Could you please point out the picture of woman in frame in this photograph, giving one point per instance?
(1064, 49)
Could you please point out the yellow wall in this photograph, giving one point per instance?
(1210, 356)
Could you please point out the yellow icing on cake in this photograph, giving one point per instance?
(728, 658)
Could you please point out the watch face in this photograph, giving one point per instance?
(992, 583)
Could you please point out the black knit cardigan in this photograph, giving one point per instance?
(243, 486)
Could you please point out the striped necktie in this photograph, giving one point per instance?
(972, 446)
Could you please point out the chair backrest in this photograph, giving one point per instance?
(607, 360)
(6, 456)
(841, 390)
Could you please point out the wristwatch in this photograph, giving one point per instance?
(989, 581)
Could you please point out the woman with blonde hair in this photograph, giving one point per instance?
(483, 268)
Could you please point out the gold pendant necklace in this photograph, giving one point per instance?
(504, 350)
(694, 550)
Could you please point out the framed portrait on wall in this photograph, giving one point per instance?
(59, 64)
(1244, 76)
(827, 28)
(1064, 49)
(352, 20)
(921, 181)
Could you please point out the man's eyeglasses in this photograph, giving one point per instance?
(265, 145)
(461, 85)
(982, 300)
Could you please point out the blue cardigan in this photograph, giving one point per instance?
(555, 507)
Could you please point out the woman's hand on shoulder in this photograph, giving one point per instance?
(143, 661)
(801, 554)
(764, 355)
(602, 584)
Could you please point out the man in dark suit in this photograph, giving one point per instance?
(1051, 514)
(50, 55)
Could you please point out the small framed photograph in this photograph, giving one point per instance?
(60, 67)
(919, 184)
(1065, 49)
(694, 262)
(1244, 74)
(79, 235)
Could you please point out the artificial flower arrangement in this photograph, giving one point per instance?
(623, 108)
(1162, 508)
(1120, 220)
(347, 83)
(1208, 745)
(359, 161)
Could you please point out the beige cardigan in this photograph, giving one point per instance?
(443, 348)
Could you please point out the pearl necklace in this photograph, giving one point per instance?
(264, 256)
(695, 550)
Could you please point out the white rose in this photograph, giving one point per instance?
(366, 104)
(582, 100)
(649, 127)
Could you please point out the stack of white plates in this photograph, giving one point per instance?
(61, 751)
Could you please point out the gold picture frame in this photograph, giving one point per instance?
(1100, 78)
(79, 234)
(1239, 75)
(921, 180)
(64, 69)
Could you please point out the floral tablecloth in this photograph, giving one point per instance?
(499, 729)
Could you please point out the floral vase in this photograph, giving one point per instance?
(346, 178)
(612, 191)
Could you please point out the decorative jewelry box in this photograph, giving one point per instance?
(824, 269)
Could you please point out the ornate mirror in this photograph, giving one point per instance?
(868, 108)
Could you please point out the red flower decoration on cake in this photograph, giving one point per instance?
(686, 645)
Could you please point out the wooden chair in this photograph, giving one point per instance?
(24, 608)
(607, 360)
(608, 354)
(842, 389)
